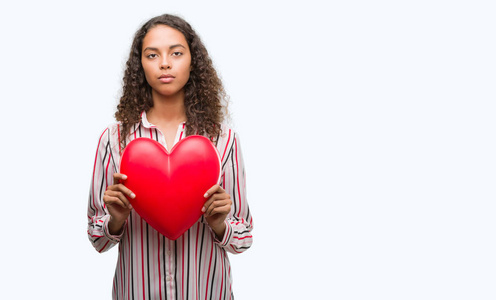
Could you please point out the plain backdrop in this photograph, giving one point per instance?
(367, 128)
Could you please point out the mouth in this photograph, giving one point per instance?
(166, 78)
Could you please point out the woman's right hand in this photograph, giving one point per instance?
(117, 203)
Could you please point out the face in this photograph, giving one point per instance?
(166, 60)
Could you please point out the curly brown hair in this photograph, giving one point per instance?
(205, 98)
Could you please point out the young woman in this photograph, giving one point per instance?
(170, 91)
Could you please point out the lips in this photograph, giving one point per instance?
(166, 78)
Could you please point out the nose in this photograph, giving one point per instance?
(165, 64)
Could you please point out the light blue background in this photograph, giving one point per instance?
(367, 127)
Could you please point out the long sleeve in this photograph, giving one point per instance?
(237, 237)
(98, 216)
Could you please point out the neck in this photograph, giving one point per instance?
(167, 109)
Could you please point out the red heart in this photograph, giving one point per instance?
(169, 188)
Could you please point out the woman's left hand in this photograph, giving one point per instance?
(216, 209)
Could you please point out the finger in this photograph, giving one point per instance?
(112, 200)
(222, 207)
(215, 197)
(220, 196)
(122, 188)
(216, 204)
(116, 196)
(207, 205)
(214, 189)
(121, 196)
(118, 177)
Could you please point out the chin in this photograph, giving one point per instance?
(168, 92)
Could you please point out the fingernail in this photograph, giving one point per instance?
(203, 209)
(132, 195)
(124, 177)
(206, 195)
(130, 206)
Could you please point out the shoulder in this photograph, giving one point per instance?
(111, 130)
(226, 135)
(228, 140)
(109, 136)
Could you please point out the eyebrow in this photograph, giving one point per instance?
(177, 45)
(170, 47)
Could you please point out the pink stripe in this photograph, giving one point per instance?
(181, 135)
(237, 178)
(230, 276)
(121, 275)
(209, 265)
(119, 138)
(106, 169)
(182, 281)
(234, 249)
(196, 256)
(170, 267)
(159, 275)
(142, 260)
(129, 264)
(104, 246)
(242, 238)
(222, 282)
(151, 266)
(227, 144)
(94, 168)
(226, 234)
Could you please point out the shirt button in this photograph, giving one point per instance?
(169, 278)
(169, 252)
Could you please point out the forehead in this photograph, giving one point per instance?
(163, 36)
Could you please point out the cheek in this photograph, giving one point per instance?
(147, 71)
(145, 68)
(187, 70)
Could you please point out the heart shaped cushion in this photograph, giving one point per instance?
(169, 187)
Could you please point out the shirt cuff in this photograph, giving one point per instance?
(226, 239)
(106, 231)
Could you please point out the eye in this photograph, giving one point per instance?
(177, 53)
(151, 55)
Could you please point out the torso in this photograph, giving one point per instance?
(150, 266)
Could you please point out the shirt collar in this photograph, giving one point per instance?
(146, 123)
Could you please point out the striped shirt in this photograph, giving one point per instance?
(151, 266)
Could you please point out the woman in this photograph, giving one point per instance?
(171, 90)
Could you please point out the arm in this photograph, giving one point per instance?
(99, 218)
(234, 234)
